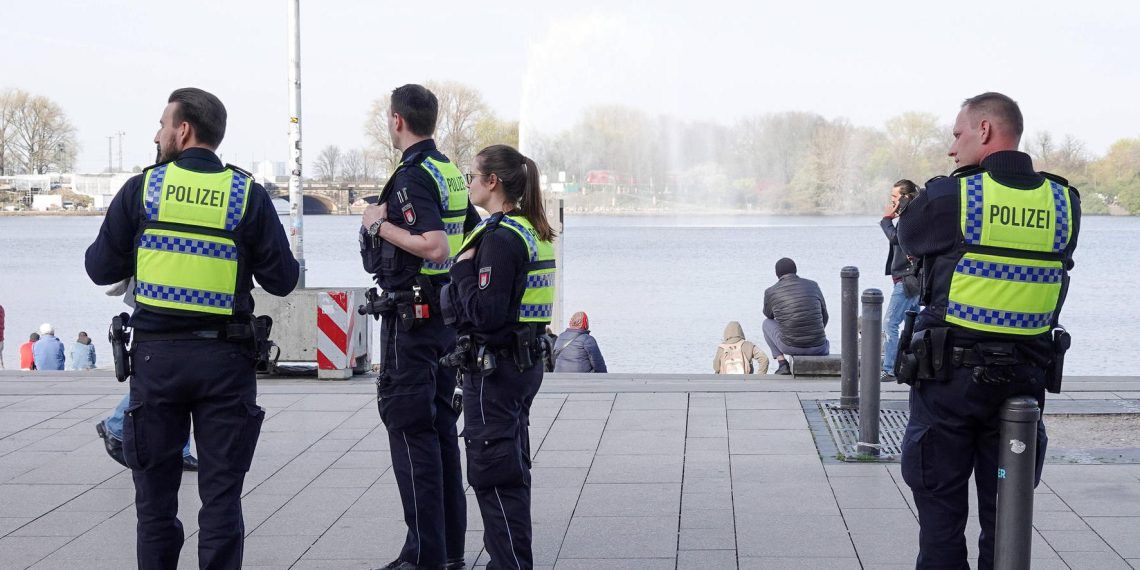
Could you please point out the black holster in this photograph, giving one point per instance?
(120, 337)
(1055, 373)
(525, 346)
(926, 357)
(262, 327)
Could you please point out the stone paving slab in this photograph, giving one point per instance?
(630, 471)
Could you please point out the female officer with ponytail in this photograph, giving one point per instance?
(500, 297)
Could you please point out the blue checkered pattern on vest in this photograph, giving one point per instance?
(531, 243)
(535, 311)
(540, 281)
(190, 246)
(453, 228)
(429, 264)
(440, 183)
(1061, 207)
(1009, 271)
(153, 194)
(237, 200)
(182, 295)
(998, 318)
(973, 230)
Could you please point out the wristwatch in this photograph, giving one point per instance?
(374, 229)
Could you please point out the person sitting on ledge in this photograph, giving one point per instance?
(735, 355)
(575, 350)
(797, 315)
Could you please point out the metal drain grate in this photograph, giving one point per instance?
(844, 427)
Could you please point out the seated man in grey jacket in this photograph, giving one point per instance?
(575, 350)
(796, 315)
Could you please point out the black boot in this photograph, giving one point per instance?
(783, 368)
(111, 443)
(189, 463)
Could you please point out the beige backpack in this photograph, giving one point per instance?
(733, 361)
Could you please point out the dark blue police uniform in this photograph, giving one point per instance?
(496, 405)
(413, 391)
(954, 428)
(211, 380)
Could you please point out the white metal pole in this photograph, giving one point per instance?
(296, 200)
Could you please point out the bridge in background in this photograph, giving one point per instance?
(326, 198)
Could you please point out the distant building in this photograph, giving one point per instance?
(45, 202)
(272, 172)
(101, 187)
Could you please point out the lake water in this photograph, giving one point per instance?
(658, 289)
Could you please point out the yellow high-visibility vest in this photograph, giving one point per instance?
(536, 304)
(186, 260)
(453, 199)
(1008, 279)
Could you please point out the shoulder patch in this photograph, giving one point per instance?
(409, 212)
(484, 277)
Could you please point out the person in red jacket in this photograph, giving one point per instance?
(27, 358)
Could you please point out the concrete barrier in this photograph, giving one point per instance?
(830, 365)
(295, 328)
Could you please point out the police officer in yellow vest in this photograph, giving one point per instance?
(501, 298)
(193, 233)
(407, 242)
(996, 243)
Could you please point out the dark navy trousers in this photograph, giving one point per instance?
(214, 382)
(413, 397)
(496, 420)
(953, 432)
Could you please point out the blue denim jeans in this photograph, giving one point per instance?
(896, 312)
(115, 422)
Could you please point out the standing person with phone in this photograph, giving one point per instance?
(900, 266)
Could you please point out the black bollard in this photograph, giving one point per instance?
(849, 335)
(871, 357)
(1017, 462)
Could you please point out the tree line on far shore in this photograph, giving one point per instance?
(797, 162)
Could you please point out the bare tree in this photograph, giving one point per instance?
(460, 108)
(1067, 158)
(35, 134)
(352, 168)
(328, 164)
(8, 108)
(386, 156)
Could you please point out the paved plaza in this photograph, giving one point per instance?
(630, 471)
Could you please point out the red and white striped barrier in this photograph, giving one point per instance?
(336, 346)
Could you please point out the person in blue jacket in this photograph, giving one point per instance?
(576, 350)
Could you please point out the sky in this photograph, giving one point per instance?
(111, 65)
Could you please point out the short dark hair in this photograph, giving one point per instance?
(785, 266)
(906, 187)
(418, 106)
(203, 111)
(34, 337)
(998, 106)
